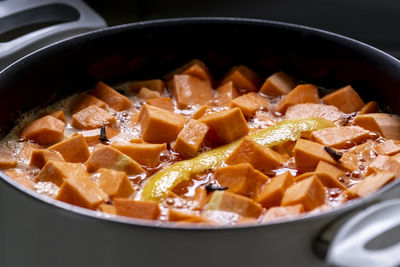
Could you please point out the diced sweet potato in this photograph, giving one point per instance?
(340, 137)
(302, 111)
(200, 112)
(227, 201)
(326, 179)
(370, 107)
(371, 184)
(190, 138)
(195, 68)
(146, 93)
(7, 160)
(329, 169)
(57, 171)
(388, 148)
(250, 103)
(226, 125)
(278, 84)
(92, 136)
(145, 154)
(303, 93)
(272, 193)
(307, 155)
(384, 163)
(155, 85)
(309, 192)
(26, 151)
(175, 215)
(21, 176)
(137, 209)
(345, 99)
(225, 94)
(110, 158)
(85, 100)
(114, 183)
(243, 78)
(107, 208)
(387, 125)
(91, 118)
(59, 115)
(134, 119)
(81, 191)
(279, 213)
(114, 99)
(44, 131)
(259, 156)
(162, 102)
(73, 149)
(159, 125)
(189, 90)
(40, 157)
(241, 179)
(262, 120)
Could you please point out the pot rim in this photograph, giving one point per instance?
(81, 38)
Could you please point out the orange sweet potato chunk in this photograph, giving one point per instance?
(370, 107)
(145, 154)
(44, 131)
(146, 93)
(189, 90)
(326, 179)
(114, 99)
(92, 117)
(85, 100)
(225, 94)
(59, 115)
(259, 156)
(200, 112)
(371, 184)
(155, 85)
(278, 84)
(110, 158)
(279, 213)
(249, 103)
(40, 157)
(92, 136)
(107, 208)
(7, 160)
(175, 215)
(243, 78)
(387, 125)
(271, 194)
(226, 125)
(73, 149)
(159, 125)
(331, 170)
(309, 192)
(384, 163)
(57, 171)
(162, 102)
(137, 209)
(191, 137)
(114, 183)
(303, 93)
(196, 68)
(307, 110)
(387, 148)
(340, 137)
(308, 154)
(345, 99)
(26, 151)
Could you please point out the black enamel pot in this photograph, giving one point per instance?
(39, 231)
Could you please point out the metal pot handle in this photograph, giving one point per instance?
(77, 16)
(348, 246)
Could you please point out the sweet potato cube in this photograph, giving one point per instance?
(303, 93)
(59, 115)
(155, 85)
(114, 183)
(345, 99)
(195, 68)
(92, 117)
(146, 93)
(388, 148)
(145, 154)
(243, 78)
(200, 112)
(137, 209)
(92, 136)
(7, 160)
(278, 84)
(107, 208)
(370, 107)
(307, 155)
(21, 176)
(259, 156)
(226, 125)
(329, 169)
(271, 194)
(225, 94)
(309, 192)
(387, 125)
(159, 125)
(340, 137)
(85, 100)
(40, 157)
(279, 213)
(326, 179)
(227, 201)
(26, 150)
(57, 171)
(114, 99)
(162, 102)
(175, 215)
(241, 179)
(307, 110)
(371, 184)
(384, 163)
(250, 103)
(44, 131)
(191, 137)
(189, 90)
(81, 191)
(110, 158)
(73, 149)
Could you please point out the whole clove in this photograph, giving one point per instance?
(336, 155)
(211, 188)
(103, 137)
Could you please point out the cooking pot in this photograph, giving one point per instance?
(36, 230)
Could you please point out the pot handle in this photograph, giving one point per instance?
(73, 17)
(348, 247)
